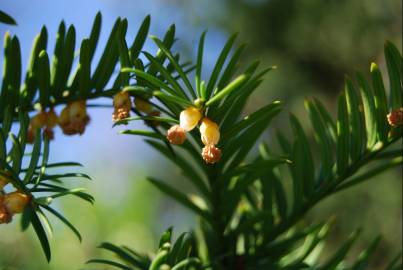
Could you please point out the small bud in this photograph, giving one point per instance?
(38, 121)
(211, 154)
(395, 118)
(51, 119)
(15, 202)
(47, 120)
(80, 126)
(5, 216)
(78, 110)
(48, 133)
(143, 105)
(122, 99)
(30, 135)
(74, 118)
(210, 132)
(4, 179)
(65, 122)
(122, 105)
(64, 117)
(176, 135)
(189, 118)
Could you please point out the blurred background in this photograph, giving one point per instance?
(313, 43)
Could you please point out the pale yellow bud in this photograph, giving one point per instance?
(176, 135)
(395, 118)
(211, 154)
(15, 202)
(189, 118)
(210, 132)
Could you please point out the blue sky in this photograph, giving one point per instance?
(100, 141)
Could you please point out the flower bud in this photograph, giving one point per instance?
(48, 133)
(143, 105)
(38, 121)
(15, 202)
(176, 135)
(51, 119)
(78, 110)
(122, 100)
(43, 119)
(30, 135)
(210, 132)
(211, 154)
(74, 118)
(64, 117)
(189, 118)
(122, 105)
(395, 117)
(5, 216)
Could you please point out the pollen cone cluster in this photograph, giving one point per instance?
(209, 131)
(176, 135)
(10, 203)
(74, 118)
(211, 154)
(395, 117)
(122, 106)
(46, 120)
